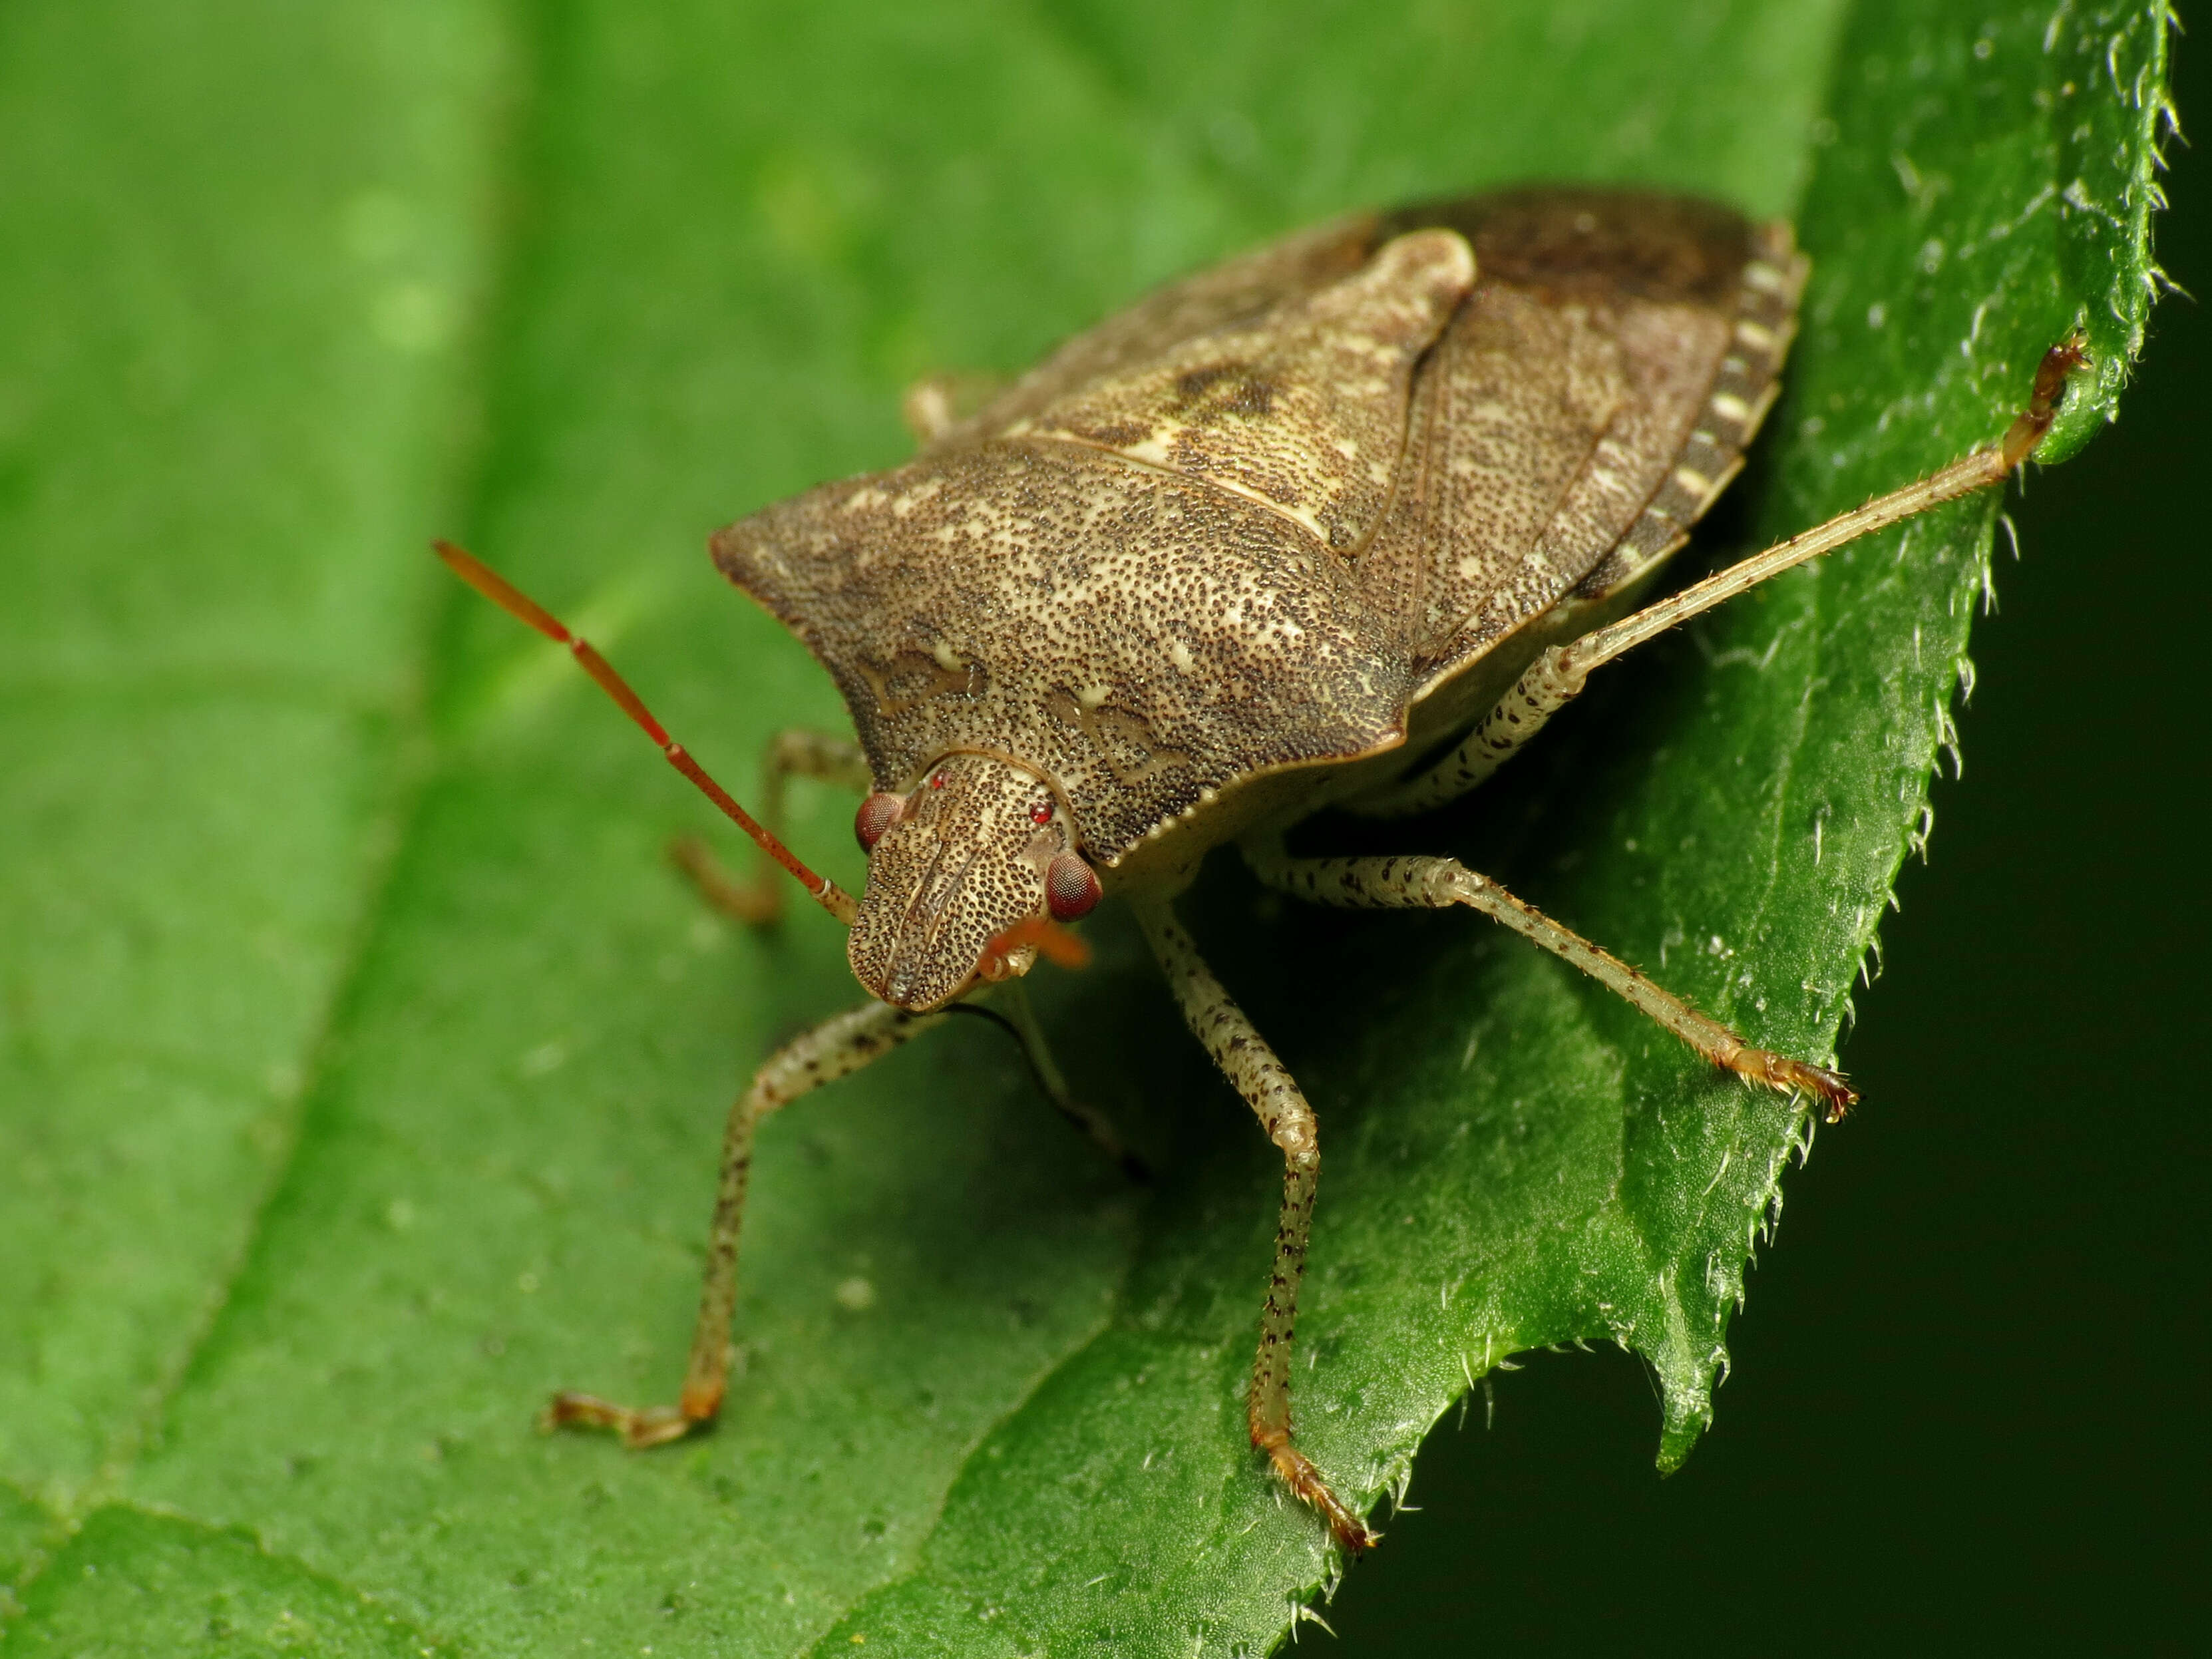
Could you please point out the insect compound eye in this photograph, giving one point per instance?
(1070, 887)
(876, 814)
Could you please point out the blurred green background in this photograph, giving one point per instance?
(1965, 1405)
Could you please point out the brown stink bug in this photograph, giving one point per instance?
(1338, 523)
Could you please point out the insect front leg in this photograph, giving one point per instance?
(1248, 1063)
(831, 1050)
(757, 900)
(1417, 882)
(1557, 676)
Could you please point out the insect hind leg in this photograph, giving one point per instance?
(757, 900)
(1557, 676)
(1422, 882)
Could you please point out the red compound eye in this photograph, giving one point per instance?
(1071, 888)
(876, 814)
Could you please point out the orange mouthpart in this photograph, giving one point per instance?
(1053, 942)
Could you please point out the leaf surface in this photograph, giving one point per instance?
(365, 1062)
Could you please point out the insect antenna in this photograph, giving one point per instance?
(517, 603)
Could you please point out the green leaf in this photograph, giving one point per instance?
(363, 1061)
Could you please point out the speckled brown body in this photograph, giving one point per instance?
(1258, 523)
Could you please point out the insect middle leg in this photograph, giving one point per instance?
(1420, 882)
(833, 1049)
(1557, 676)
(757, 900)
(1244, 1057)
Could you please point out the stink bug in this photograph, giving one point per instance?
(1339, 523)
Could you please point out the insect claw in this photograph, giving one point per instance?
(1305, 1482)
(1837, 1095)
(1787, 1076)
(2052, 374)
(654, 1426)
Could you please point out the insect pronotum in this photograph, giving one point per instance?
(1340, 522)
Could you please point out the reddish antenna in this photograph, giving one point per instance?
(517, 603)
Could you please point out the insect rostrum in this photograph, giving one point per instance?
(1338, 523)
